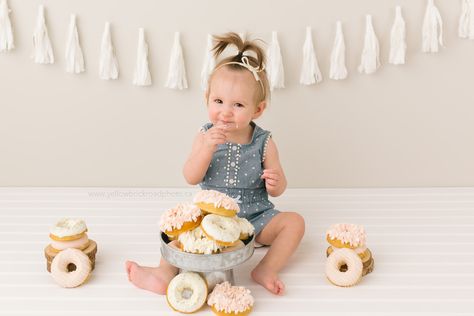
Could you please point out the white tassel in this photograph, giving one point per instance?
(338, 70)
(432, 25)
(310, 72)
(209, 63)
(466, 21)
(6, 30)
(142, 76)
(42, 49)
(398, 44)
(275, 71)
(177, 70)
(370, 54)
(108, 66)
(74, 56)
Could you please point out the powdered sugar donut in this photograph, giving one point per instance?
(62, 268)
(195, 241)
(181, 218)
(187, 292)
(339, 258)
(215, 202)
(230, 300)
(224, 230)
(346, 236)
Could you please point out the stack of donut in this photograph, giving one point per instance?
(349, 259)
(208, 226)
(71, 254)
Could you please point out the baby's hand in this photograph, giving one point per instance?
(272, 178)
(214, 136)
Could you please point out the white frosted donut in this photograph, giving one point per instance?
(194, 241)
(80, 243)
(68, 227)
(246, 228)
(187, 292)
(60, 270)
(336, 260)
(224, 230)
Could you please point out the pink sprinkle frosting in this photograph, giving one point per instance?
(351, 234)
(175, 218)
(231, 299)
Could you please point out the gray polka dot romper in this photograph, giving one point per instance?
(235, 170)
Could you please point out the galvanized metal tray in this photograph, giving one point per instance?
(206, 263)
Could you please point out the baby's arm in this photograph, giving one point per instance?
(275, 180)
(203, 148)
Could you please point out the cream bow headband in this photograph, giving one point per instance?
(246, 64)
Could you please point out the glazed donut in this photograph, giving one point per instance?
(224, 230)
(215, 202)
(81, 243)
(246, 228)
(346, 236)
(187, 292)
(61, 268)
(344, 257)
(181, 218)
(230, 300)
(195, 241)
(68, 229)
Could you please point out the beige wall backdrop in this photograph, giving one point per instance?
(404, 126)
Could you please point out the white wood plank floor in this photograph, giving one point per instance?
(422, 241)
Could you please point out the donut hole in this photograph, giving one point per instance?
(187, 293)
(342, 267)
(71, 267)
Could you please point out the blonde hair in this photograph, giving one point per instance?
(235, 62)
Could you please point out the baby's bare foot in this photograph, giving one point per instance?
(268, 280)
(151, 279)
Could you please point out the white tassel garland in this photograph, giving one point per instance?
(208, 65)
(177, 71)
(432, 29)
(338, 70)
(466, 21)
(42, 49)
(370, 54)
(74, 56)
(6, 30)
(142, 76)
(275, 71)
(108, 66)
(310, 72)
(398, 44)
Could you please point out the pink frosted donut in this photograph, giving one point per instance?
(336, 260)
(80, 243)
(226, 299)
(62, 267)
(346, 236)
(179, 219)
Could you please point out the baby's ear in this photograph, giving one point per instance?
(260, 108)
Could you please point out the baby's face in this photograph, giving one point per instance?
(231, 99)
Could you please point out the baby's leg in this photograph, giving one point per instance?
(151, 278)
(284, 233)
